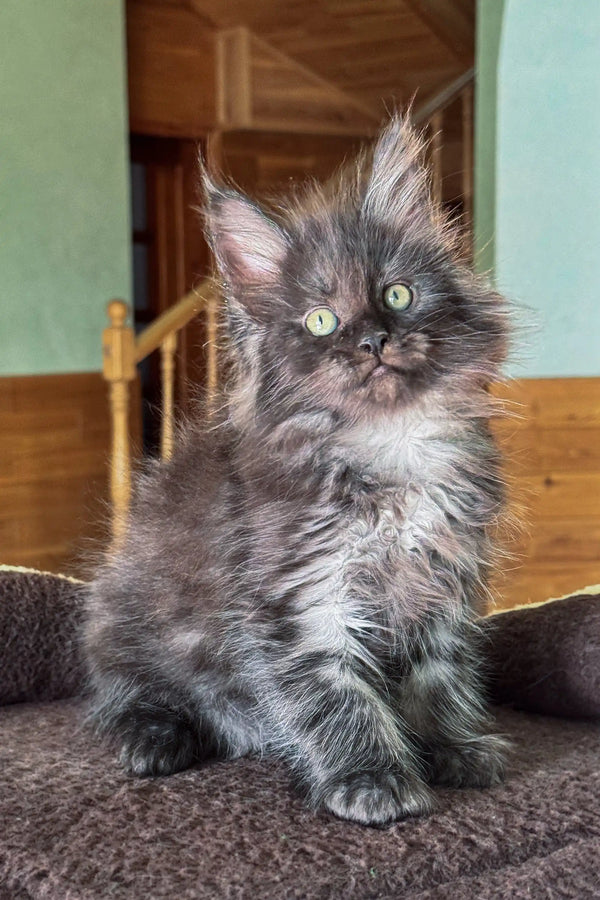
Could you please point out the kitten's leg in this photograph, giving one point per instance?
(157, 733)
(161, 741)
(160, 732)
(346, 744)
(443, 701)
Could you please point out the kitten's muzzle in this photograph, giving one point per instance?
(381, 370)
(373, 344)
(377, 369)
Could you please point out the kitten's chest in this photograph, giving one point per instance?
(411, 482)
(385, 524)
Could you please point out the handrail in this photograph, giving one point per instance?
(121, 352)
(443, 98)
(173, 319)
(431, 114)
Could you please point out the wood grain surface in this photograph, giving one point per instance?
(54, 444)
(552, 446)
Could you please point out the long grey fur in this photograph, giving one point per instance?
(304, 576)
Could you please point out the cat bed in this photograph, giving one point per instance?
(545, 657)
(76, 827)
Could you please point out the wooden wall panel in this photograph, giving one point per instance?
(552, 444)
(171, 70)
(265, 163)
(54, 445)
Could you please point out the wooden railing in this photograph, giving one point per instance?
(122, 351)
(431, 115)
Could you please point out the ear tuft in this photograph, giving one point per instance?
(248, 245)
(398, 185)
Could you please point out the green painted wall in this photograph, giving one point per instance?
(64, 194)
(489, 30)
(539, 175)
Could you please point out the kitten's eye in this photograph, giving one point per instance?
(398, 296)
(321, 321)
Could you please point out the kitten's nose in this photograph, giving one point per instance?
(374, 343)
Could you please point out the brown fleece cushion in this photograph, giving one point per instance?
(40, 615)
(74, 826)
(543, 658)
(546, 657)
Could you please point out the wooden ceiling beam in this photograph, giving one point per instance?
(261, 88)
(452, 22)
(380, 52)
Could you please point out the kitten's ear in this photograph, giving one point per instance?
(397, 188)
(248, 245)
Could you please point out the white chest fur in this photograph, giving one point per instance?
(414, 467)
(376, 555)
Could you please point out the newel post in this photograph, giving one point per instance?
(118, 367)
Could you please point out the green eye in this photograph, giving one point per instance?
(398, 296)
(321, 321)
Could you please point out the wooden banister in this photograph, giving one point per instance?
(118, 368)
(171, 320)
(431, 115)
(442, 99)
(121, 352)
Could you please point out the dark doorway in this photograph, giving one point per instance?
(170, 256)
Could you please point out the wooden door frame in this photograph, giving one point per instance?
(178, 254)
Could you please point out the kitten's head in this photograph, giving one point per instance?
(351, 298)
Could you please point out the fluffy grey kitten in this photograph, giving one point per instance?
(303, 577)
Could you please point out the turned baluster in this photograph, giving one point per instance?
(212, 328)
(436, 123)
(168, 348)
(118, 367)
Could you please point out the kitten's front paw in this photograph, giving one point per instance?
(159, 747)
(378, 799)
(479, 762)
